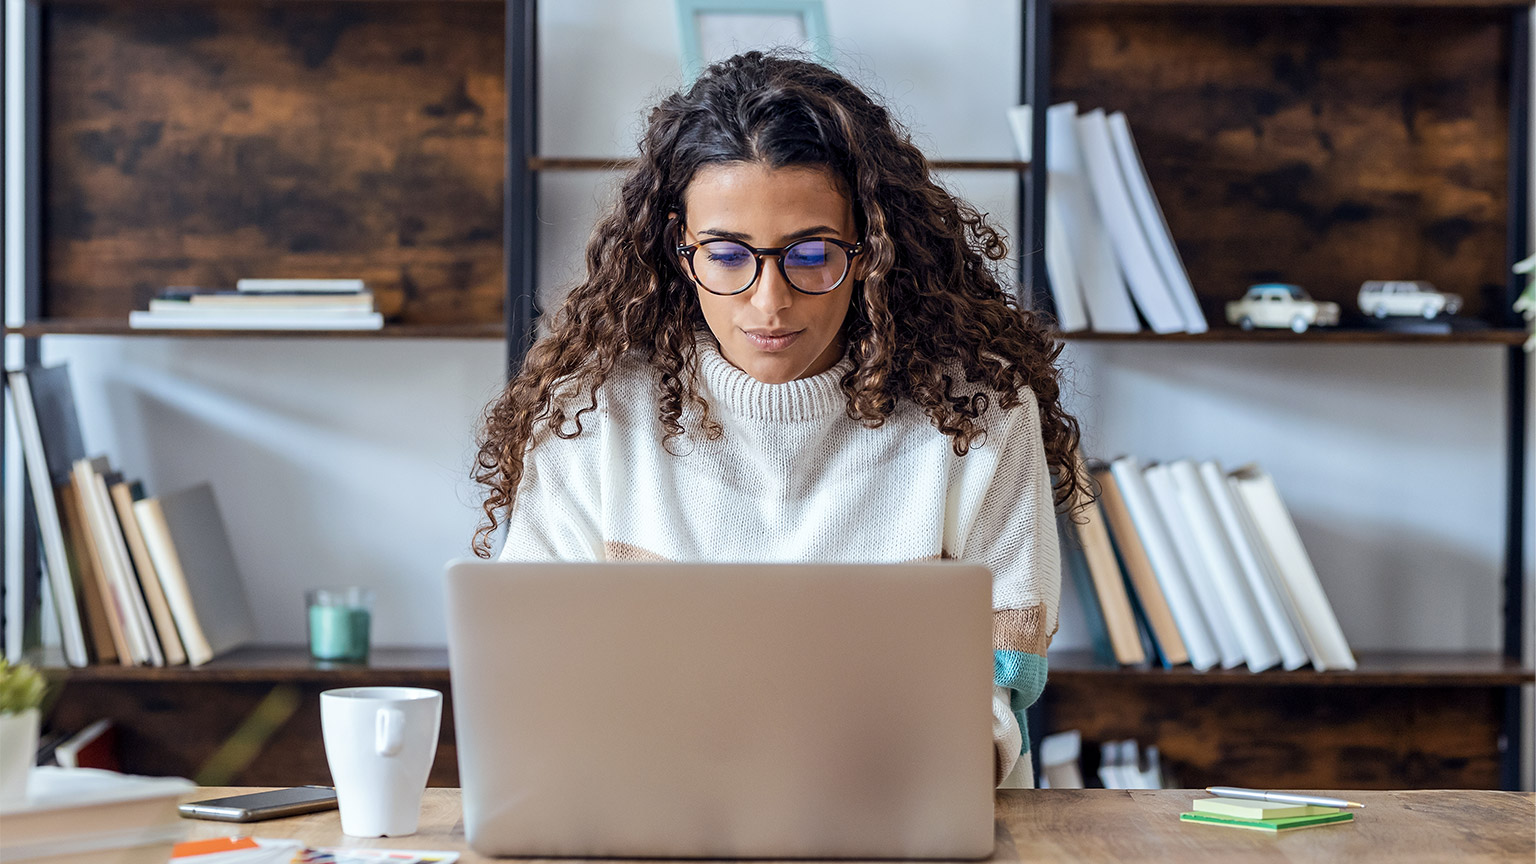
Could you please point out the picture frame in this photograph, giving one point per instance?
(711, 30)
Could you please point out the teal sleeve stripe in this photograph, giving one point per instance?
(1024, 674)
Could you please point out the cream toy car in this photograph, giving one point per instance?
(1278, 304)
(1383, 298)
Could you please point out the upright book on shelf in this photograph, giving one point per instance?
(1138, 570)
(1153, 533)
(148, 580)
(190, 549)
(1105, 296)
(1107, 582)
(30, 419)
(1165, 496)
(1258, 493)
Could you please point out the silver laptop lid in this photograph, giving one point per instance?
(723, 710)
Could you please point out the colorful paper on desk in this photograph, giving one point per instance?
(1289, 823)
(1245, 808)
(257, 850)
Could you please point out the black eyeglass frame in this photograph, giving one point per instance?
(852, 249)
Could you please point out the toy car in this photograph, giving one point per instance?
(1277, 304)
(1383, 298)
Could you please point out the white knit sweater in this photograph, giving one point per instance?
(794, 479)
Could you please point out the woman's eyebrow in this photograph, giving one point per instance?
(745, 238)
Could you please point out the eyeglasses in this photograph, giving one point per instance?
(815, 265)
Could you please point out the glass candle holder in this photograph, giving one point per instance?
(338, 623)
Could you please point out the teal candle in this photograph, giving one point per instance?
(338, 633)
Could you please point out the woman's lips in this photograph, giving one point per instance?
(764, 341)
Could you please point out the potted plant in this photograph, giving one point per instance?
(21, 693)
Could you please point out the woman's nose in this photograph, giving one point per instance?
(772, 292)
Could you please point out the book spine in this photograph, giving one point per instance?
(162, 551)
(149, 580)
(1166, 496)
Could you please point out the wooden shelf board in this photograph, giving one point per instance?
(1375, 669)
(278, 663)
(584, 163)
(1492, 336)
(119, 327)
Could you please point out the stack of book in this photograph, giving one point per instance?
(265, 304)
(87, 816)
(1186, 563)
(1108, 250)
(1269, 816)
(127, 578)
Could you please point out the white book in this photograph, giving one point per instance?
(1060, 265)
(142, 320)
(203, 311)
(1269, 513)
(327, 285)
(1221, 563)
(1271, 570)
(55, 554)
(1105, 296)
(1293, 654)
(1155, 224)
(122, 566)
(1165, 494)
(1150, 291)
(1198, 641)
(1071, 316)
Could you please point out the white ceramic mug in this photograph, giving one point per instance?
(380, 742)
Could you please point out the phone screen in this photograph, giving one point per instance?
(258, 805)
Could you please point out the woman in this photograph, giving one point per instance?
(790, 346)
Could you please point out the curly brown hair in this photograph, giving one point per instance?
(928, 304)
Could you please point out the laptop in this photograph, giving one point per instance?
(637, 710)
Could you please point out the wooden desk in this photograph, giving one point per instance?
(1094, 825)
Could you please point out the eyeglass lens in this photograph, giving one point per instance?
(727, 267)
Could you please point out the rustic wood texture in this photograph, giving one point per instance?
(1317, 146)
(1294, 736)
(197, 143)
(175, 728)
(1084, 827)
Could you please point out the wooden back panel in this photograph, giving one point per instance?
(1318, 146)
(197, 143)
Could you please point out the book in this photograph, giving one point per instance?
(1231, 586)
(1245, 808)
(1259, 494)
(1142, 275)
(190, 549)
(1153, 533)
(98, 551)
(1138, 571)
(1293, 655)
(1105, 297)
(98, 625)
(1165, 496)
(88, 815)
(1266, 562)
(1271, 825)
(145, 320)
(350, 300)
(127, 601)
(1060, 267)
(50, 527)
(148, 580)
(1074, 567)
(1109, 587)
(1154, 224)
(299, 285)
(95, 746)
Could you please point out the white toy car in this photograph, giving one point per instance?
(1277, 304)
(1385, 298)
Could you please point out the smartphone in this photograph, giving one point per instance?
(257, 806)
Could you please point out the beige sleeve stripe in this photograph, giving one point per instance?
(615, 551)
(1020, 630)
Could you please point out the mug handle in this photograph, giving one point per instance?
(389, 731)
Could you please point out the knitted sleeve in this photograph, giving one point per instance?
(557, 512)
(1014, 534)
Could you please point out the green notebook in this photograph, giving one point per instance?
(1289, 823)
(1244, 808)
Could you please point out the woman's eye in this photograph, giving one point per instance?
(807, 258)
(727, 259)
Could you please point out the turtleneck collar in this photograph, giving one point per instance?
(744, 396)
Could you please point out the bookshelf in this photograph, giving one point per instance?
(1318, 130)
(496, 302)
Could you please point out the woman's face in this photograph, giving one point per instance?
(772, 331)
